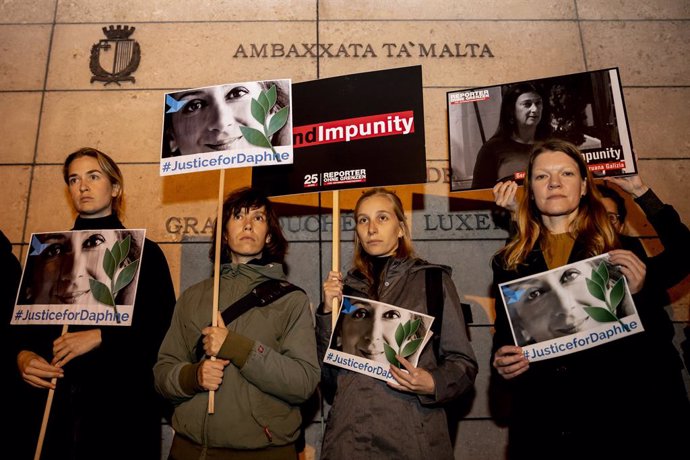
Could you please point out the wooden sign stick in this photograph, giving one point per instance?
(216, 273)
(335, 251)
(46, 411)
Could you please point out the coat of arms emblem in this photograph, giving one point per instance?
(119, 53)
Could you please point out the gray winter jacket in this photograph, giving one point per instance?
(256, 406)
(368, 419)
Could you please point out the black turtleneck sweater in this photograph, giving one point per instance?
(106, 406)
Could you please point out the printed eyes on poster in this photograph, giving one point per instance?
(232, 125)
(570, 308)
(368, 334)
(492, 129)
(86, 277)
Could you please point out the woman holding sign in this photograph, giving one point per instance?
(105, 405)
(405, 418)
(265, 356)
(626, 391)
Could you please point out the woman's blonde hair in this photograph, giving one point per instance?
(362, 260)
(591, 225)
(109, 168)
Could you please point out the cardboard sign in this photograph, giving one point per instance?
(353, 131)
(84, 277)
(570, 308)
(233, 125)
(492, 129)
(368, 334)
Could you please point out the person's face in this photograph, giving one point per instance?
(612, 212)
(211, 119)
(368, 326)
(528, 109)
(556, 184)
(64, 267)
(378, 228)
(247, 234)
(552, 306)
(90, 188)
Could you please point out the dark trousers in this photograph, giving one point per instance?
(185, 449)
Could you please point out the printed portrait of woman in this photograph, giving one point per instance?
(521, 124)
(551, 305)
(202, 120)
(59, 266)
(364, 326)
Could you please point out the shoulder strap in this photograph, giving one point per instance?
(263, 294)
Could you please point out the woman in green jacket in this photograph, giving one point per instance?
(265, 359)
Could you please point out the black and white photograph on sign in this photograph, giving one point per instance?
(369, 334)
(353, 131)
(232, 125)
(80, 277)
(570, 308)
(492, 129)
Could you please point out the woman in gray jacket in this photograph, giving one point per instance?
(370, 418)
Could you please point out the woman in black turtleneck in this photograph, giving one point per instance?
(370, 418)
(105, 405)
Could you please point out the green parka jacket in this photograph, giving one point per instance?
(273, 365)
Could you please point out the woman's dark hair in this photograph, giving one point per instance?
(608, 192)
(108, 166)
(250, 198)
(506, 122)
(281, 137)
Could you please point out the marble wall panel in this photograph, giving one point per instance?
(445, 9)
(125, 124)
(649, 53)
(23, 56)
(19, 126)
(436, 123)
(523, 50)
(184, 11)
(50, 207)
(177, 56)
(481, 339)
(36, 11)
(657, 116)
(633, 9)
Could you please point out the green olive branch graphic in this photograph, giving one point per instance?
(261, 109)
(112, 261)
(403, 339)
(597, 286)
